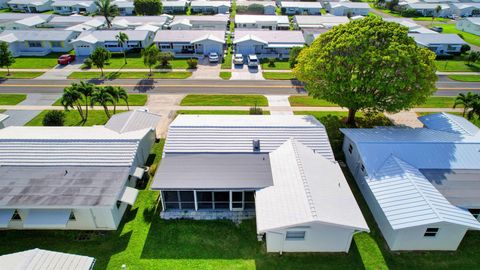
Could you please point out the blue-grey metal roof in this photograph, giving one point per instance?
(449, 123)
(436, 38)
(408, 199)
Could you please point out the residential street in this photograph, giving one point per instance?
(167, 86)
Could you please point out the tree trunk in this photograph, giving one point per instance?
(126, 101)
(124, 56)
(80, 111)
(351, 118)
(101, 69)
(106, 111)
(114, 108)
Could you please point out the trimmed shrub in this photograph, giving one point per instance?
(271, 62)
(256, 111)
(54, 119)
(192, 63)
(87, 63)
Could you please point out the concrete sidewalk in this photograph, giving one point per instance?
(279, 105)
(32, 107)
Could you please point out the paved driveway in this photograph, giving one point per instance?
(279, 105)
(21, 117)
(206, 70)
(62, 72)
(160, 104)
(243, 72)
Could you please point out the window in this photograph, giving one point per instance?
(205, 200)
(16, 215)
(72, 216)
(56, 44)
(350, 148)
(34, 44)
(167, 46)
(249, 199)
(187, 200)
(475, 212)
(295, 235)
(431, 232)
(221, 200)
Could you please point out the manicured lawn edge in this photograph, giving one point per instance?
(225, 75)
(278, 75)
(224, 100)
(308, 101)
(19, 74)
(72, 118)
(12, 99)
(219, 112)
(130, 75)
(465, 78)
(278, 65)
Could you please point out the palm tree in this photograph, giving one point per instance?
(436, 13)
(113, 91)
(71, 98)
(123, 95)
(466, 101)
(102, 97)
(475, 109)
(107, 9)
(122, 39)
(86, 89)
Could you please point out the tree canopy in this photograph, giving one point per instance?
(107, 9)
(6, 56)
(100, 57)
(368, 65)
(148, 7)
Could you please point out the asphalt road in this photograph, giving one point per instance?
(445, 86)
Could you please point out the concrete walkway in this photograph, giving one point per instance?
(405, 118)
(206, 70)
(33, 102)
(164, 105)
(279, 105)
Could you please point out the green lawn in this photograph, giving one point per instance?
(278, 75)
(48, 61)
(456, 65)
(131, 75)
(133, 100)
(2, 111)
(216, 112)
(11, 99)
(227, 61)
(465, 78)
(224, 100)
(135, 60)
(19, 75)
(72, 118)
(225, 75)
(442, 20)
(451, 29)
(278, 65)
(307, 101)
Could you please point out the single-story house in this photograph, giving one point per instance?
(345, 8)
(269, 7)
(210, 7)
(429, 9)
(132, 22)
(73, 178)
(440, 44)
(265, 22)
(45, 259)
(125, 7)
(175, 7)
(22, 21)
(421, 184)
(307, 22)
(465, 9)
(470, 25)
(412, 26)
(292, 8)
(73, 20)
(30, 6)
(87, 41)
(277, 168)
(191, 43)
(37, 42)
(66, 7)
(213, 22)
(267, 44)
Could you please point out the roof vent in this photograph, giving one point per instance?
(256, 145)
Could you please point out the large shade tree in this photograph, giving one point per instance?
(368, 65)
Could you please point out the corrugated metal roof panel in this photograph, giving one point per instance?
(449, 123)
(40, 259)
(133, 121)
(419, 204)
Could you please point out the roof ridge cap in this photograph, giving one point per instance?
(457, 123)
(306, 186)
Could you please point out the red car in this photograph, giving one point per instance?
(66, 59)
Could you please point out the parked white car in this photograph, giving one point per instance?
(252, 60)
(238, 59)
(213, 57)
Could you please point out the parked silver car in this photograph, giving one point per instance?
(253, 60)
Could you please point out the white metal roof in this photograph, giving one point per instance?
(349, 4)
(110, 35)
(306, 188)
(35, 35)
(299, 4)
(320, 21)
(135, 120)
(449, 123)
(408, 199)
(189, 36)
(32, 21)
(436, 38)
(234, 133)
(250, 2)
(261, 18)
(202, 3)
(39, 259)
(70, 3)
(271, 37)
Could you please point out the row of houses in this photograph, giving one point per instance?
(420, 184)
(448, 9)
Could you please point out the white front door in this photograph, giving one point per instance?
(237, 200)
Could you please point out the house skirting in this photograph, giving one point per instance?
(235, 216)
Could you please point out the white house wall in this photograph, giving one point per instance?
(469, 27)
(22, 49)
(318, 238)
(343, 11)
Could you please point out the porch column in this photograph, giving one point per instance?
(195, 200)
